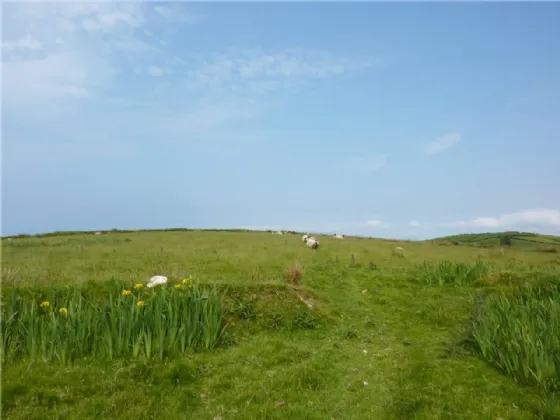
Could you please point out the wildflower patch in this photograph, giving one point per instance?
(134, 322)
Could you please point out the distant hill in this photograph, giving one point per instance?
(510, 238)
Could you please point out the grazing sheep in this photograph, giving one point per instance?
(155, 280)
(312, 243)
(279, 232)
(338, 236)
(98, 233)
(398, 251)
(305, 238)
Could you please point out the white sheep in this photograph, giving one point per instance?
(312, 243)
(338, 236)
(279, 232)
(155, 280)
(305, 238)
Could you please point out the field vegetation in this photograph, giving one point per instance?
(254, 325)
(528, 241)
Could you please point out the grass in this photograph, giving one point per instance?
(456, 273)
(520, 334)
(529, 241)
(135, 322)
(352, 330)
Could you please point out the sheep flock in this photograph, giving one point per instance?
(309, 240)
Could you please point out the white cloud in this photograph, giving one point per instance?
(134, 45)
(522, 219)
(378, 224)
(204, 118)
(27, 42)
(86, 49)
(370, 163)
(439, 145)
(71, 60)
(258, 70)
(57, 75)
(177, 14)
(415, 224)
(155, 71)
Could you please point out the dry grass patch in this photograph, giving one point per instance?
(294, 274)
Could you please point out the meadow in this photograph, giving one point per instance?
(254, 325)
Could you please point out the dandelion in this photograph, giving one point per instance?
(140, 303)
(126, 292)
(178, 286)
(138, 286)
(63, 311)
(45, 304)
(187, 281)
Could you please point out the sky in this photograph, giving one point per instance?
(397, 120)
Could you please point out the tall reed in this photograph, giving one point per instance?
(454, 273)
(136, 322)
(520, 334)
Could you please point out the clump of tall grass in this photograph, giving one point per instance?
(134, 322)
(293, 274)
(455, 273)
(520, 333)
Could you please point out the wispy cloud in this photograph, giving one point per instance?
(72, 57)
(69, 60)
(523, 219)
(439, 145)
(378, 224)
(369, 164)
(155, 71)
(55, 76)
(172, 13)
(27, 42)
(107, 20)
(260, 70)
(415, 224)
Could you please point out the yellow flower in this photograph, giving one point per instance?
(126, 292)
(63, 311)
(187, 281)
(45, 304)
(140, 303)
(178, 286)
(138, 286)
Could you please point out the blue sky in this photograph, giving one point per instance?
(407, 120)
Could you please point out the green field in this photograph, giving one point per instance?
(529, 241)
(356, 329)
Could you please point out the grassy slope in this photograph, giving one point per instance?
(398, 336)
(520, 239)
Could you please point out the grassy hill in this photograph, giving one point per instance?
(265, 328)
(510, 238)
